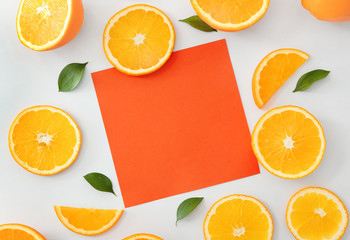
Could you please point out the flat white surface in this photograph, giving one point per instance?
(29, 78)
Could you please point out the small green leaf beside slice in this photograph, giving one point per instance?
(198, 23)
(187, 206)
(71, 76)
(100, 182)
(309, 78)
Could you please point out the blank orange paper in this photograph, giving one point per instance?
(179, 129)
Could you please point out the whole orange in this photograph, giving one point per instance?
(328, 10)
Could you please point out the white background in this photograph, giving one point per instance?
(29, 78)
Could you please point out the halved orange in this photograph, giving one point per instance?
(273, 71)
(238, 217)
(87, 221)
(289, 142)
(142, 236)
(139, 39)
(45, 25)
(316, 213)
(44, 140)
(230, 15)
(14, 231)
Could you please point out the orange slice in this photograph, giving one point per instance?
(289, 142)
(143, 236)
(45, 25)
(230, 15)
(316, 214)
(139, 39)
(238, 217)
(19, 231)
(87, 221)
(44, 140)
(273, 71)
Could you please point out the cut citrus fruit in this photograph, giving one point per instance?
(143, 236)
(18, 231)
(45, 25)
(87, 221)
(44, 140)
(273, 71)
(316, 214)
(230, 15)
(238, 217)
(139, 39)
(289, 142)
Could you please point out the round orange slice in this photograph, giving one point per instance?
(139, 39)
(230, 15)
(316, 214)
(87, 221)
(273, 71)
(289, 142)
(238, 217)
(142, 236)
(44, 140)
(18, 231)
(45, 25)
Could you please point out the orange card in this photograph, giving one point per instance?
(179, 129)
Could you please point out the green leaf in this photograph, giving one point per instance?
(198, 23)
(70, 76)
(187, 206)
(100, 182)
(309, 78)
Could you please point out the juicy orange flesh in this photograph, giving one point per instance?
(147, 53)
(88, 219)
(38, 154)
(231, 11)
(238, 214)
(311, 225)
(42, 21)
(301, 130)
(15, 234)
(276, 72)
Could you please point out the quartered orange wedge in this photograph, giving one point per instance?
(316, 214)
(289, 142)
(87, 221)
(19, 232)
(142, 236)
(273, 71)
(44, 140)
(238, 217)
(45, 25)
(139, 39)
(230, 15)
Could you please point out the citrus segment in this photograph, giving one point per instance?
(142, 236)
(19, 231)
(238, 217)
(47, 24)
(230, 15)
(289, 142)
(44, 140)
(273, 71)
(87, 221)
(316, 214)
(139, 39)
